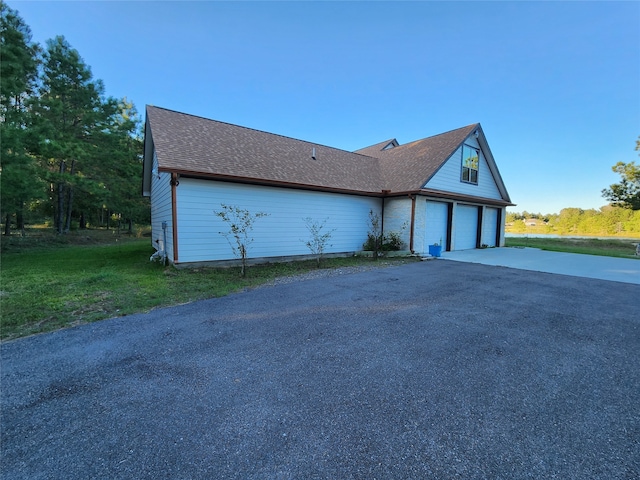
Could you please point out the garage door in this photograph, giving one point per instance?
(466, 227)
(436, 223)
(490, 226)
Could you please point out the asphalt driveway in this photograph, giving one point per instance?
(437, 369)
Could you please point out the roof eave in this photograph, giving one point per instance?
(482, 140)
(147, 162)
(461, 197)
(270, 182)
(321, 188)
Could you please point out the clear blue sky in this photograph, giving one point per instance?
(555, 85)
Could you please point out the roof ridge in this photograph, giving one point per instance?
(257, 130)
(440, 134)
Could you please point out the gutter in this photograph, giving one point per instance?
(271, 183)
(413, 220)
(344, 191)
(174, 213)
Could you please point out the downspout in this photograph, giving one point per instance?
(382, 216)
(384, 193)
(174, 213)
(164, 245)
(413, 218)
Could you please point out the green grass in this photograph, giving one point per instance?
(45, 287)
(50, 282)
(589, 246)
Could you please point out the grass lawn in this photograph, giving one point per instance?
(609, 248)
(45, 287)
(50, 282)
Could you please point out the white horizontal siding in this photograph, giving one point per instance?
(282, 233)
(397, 218)
(161, 210)
(419, 226)
(447, 179)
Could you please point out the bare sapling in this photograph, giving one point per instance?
(240, 222)
(319, 237)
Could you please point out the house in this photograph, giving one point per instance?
(443, 189)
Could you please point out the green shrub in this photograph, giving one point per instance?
(392, 242)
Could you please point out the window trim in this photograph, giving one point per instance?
(468, 168)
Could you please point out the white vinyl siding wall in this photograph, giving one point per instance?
(448, 177)
(397, 218)
(282, 233)
(161, 210)
(419, 226)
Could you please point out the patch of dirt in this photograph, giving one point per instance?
(334, 272)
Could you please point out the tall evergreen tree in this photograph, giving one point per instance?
(20, 181)
(118, 165)
(72, 114)
(60, 137)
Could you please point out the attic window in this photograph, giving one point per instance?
(390, 145)
(470, 164)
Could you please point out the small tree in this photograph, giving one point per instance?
(240, 223)
(374, 237)
(319, 240)
(626, 193)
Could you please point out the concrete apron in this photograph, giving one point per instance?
(589, 266)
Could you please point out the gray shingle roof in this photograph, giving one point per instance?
(407, 168)
(190, 144)
(194, 145)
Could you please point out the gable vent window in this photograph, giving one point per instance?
(470, 164)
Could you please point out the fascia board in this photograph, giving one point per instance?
(488, 155)
(147, 163)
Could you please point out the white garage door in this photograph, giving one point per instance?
(490, 226)
(436, 223)
(466, 227)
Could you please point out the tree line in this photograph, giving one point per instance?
(621, 217)
(608, 220)
(69, 152)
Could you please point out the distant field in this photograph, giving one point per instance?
(610, 247)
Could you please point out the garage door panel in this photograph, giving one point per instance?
(466, 227)
(437, 217)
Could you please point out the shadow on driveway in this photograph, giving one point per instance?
(429, 370)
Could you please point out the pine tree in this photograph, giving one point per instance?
(61, 138)
(72, 116)
(119, 167)
(20, 181)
